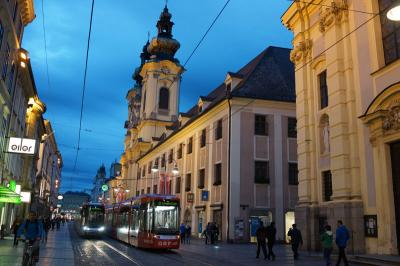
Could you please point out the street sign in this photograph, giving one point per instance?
(204, 195)
(25, 196)
(20, 145)
(104, 187)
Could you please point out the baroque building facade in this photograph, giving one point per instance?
(231, 158)
(347, 54)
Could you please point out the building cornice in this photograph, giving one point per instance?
(27, 11)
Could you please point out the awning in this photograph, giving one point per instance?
(9, 196)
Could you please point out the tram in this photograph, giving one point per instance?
(147, 221)
(91, 220)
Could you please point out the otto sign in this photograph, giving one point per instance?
(19, 145)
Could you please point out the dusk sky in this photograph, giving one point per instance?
(119, 32)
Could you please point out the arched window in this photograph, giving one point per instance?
(163, 102)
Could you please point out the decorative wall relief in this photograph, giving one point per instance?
(333, 14)
(391, 121)
(301, 51)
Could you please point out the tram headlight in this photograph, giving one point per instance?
(101, 229)
(85, 228)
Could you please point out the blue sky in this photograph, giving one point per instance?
(119, 32)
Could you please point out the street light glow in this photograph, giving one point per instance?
(394, 12)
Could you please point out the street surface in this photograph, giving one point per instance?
(66, 248)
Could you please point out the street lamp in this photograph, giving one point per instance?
(393, 13)
(60, 197)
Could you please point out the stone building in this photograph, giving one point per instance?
(231, 158)
(98, 181)
(347, 54)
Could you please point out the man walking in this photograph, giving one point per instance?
(188, 233)
(296, 240)
(271, 237)
(261, 243)
(342, 236)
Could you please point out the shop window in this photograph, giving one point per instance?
(293, 174)
(217, 174)
(188, 185)
(178, 185)
(260, 125)
(261, 172)
(202, 174)
(323, 90)
(163, 102)
(292, 127)
(190, 146)
(218, 130)
(390, 33)
(203, 138)
(327, 183)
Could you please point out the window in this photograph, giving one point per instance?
(155, 189)
(1, 33)
(203, 138)
(327, 183)
(178, 185)
(137, 193)
(390, 33)
(163, 101)
(5, 63)
(200, 108)
(228, 88)
(149, 168)
(260, 125)
(217, 174)
(261, 172)
(188, 185)
(323, 90)
(142, 191)
(10, 82)
(202, 174)
(218, 130)
(190, 146)
(144, 101)
(292, 127)
(171, 156)
(180, 151)
(163, 160)
(148, 190)
(138, 173)
(144, 171)
(293, 174)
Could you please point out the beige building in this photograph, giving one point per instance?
(231, 158)
(347, 97)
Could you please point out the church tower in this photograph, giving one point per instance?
(161, 77)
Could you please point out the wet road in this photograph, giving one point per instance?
(107, 251)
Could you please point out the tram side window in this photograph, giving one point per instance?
(142, 220)
(149, 219)
(134, 220)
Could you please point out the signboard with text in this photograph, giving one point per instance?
(20, 145)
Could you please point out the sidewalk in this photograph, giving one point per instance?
(56, 252)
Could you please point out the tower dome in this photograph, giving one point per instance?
(164, 47)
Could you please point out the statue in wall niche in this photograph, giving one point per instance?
(325, 137)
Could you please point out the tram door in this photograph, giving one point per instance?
(395, 156)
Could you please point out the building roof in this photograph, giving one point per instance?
(268, 76)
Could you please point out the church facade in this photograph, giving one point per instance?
(347, 54)
(231, 158)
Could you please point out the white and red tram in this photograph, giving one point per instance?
(147, 221)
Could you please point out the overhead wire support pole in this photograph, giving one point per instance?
(84, 86)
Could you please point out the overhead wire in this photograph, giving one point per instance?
(45, 46)
(84, 86)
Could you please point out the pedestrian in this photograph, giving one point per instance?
(182, 230)
(213, 233)
(14, 228)
(188, 233)
(207, 233)
(327, 243)
(216, 232)
(261, 242)
(46, 227)
(271, 237)
(53, 224)
(58, 221)
(295, 240)
(342, 236)
(2, 231)
(32, 229)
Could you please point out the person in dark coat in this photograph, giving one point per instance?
(188, 233)
(342, 236)
(182, 230)
(14, 228)
(261, 240)
(207, 233)
(296, 240)
(271, 237)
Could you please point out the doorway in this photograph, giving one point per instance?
(395, 158)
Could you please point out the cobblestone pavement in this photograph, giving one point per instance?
(66, 248)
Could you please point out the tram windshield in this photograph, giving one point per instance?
(166, 217)
(94, 215)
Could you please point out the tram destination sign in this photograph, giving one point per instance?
(166, 203)
(21, 145)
